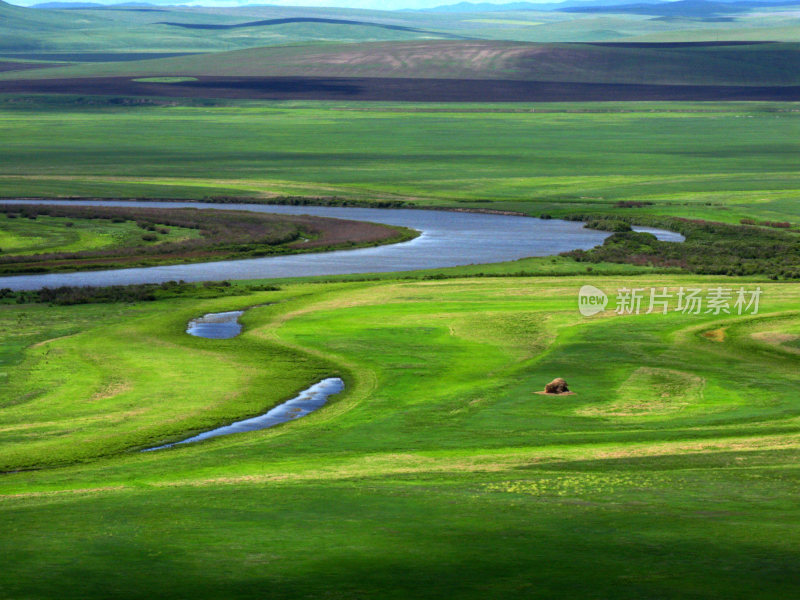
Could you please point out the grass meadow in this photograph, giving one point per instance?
(20, 236)
(439, 472)
(719, 161)
(670, 473)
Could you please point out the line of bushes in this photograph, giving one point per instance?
(710, 248)
(309, 201)
(146, 292)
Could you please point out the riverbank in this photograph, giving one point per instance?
(202, 236)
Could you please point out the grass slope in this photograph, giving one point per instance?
(438, 473)
(751, 65)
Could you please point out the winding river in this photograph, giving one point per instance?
(448, 239)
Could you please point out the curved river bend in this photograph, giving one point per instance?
(448, 239)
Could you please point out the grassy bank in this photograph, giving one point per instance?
(670, 473)
(50, 238)
(46, 234)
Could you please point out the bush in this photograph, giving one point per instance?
(149, 237)
(632, 204)
(608, 225)
(146, 292)
(710, 248)
(777, 224)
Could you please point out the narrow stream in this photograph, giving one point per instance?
(224, 326)
(216, 326)
(304, 403)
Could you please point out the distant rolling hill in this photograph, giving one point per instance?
(317, 20)
(193, 29)
(67, 5)
(197, 29)
(662, 64)
(476, 7)
(682, 8)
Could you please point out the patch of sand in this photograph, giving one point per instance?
(715, 335)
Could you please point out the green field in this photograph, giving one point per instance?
(556, 159)
(670, 473)
(45, 234)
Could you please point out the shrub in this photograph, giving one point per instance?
(710, 248)
(608, 225)
(632, 204)
(777, 224)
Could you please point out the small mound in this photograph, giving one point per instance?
(651, 391)
(789, 342)
(715, 335)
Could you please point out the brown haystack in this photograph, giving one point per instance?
(557, 386)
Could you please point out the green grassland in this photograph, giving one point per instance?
(718, 161)
(671, 473)
(45, 234)
(438, 473)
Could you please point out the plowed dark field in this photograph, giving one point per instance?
(398, 89)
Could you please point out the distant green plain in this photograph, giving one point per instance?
(720, 161)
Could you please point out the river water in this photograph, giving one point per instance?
(448, 239)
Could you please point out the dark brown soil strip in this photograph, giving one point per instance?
(399, 89)
(21, 66)
(93, 56)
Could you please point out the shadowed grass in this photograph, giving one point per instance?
(677, 450)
